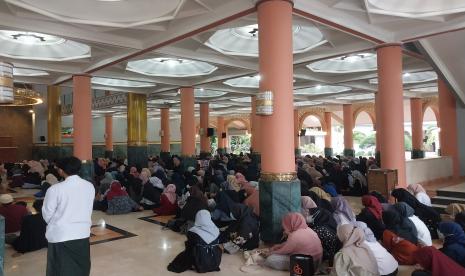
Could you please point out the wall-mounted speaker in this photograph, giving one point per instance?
(210, 131)
(223, 135)
(303, 132)
(42, 138)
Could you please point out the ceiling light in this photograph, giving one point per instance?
(258, 77)
(406, 74)
(318, 86)
(170, 67)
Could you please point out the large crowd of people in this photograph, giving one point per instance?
(216, 205)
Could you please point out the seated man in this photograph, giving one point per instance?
(13, 214)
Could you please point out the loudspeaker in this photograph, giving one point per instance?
(303, 132)
(223, 135)
(42, 138)
(210, 131)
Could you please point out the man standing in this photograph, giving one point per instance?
(67, 210)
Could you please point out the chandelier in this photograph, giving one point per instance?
(11, 96)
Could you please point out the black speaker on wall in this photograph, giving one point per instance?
(223, 135)
(210, 131)
(303, 132)
(42, 138)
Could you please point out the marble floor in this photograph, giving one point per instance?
(126, 245)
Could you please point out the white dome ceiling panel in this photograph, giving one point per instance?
(306, 103)
(111, 13)
(321, 89)
(346, 64)
(121, 82)
(245, 82)
(357, 97)
(415, 77)
(243, 100)
(170, 67)
(415, 8)
(429, 89)
(208, 93)
(24, 72)
(38, 46)
(243, 41)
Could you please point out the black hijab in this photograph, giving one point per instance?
(224, 202)
(323, 203)
(401, 226)
(323, 217)
(427, 214)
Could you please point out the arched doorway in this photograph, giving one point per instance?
(312, 135)
(364, 134)
(430, 132)
(238, 135)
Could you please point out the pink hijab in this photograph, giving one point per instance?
(170, 193)
(240, 178)
(415, 189)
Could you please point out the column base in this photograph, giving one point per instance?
(328, 152)
(277, 198)
(137, 156)
(349, 152)
(189, 161)
(204, 155)
(297, 152)
(87, 170)
(417, 154)
(109, 154)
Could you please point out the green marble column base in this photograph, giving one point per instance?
(297, 152)
(189, 161)
(277, 198)
(137, 156)
(349, 152)
(204, 155)
(417, 154)
(54, 152)
(256, 157)
(328, 152)
(109, 154)
(87, 170)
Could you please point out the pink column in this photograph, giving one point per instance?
(296, 131)
(187, 121)
(220, 131)
(416, 113)
(255, 120)
(348, 115)
(165, 129)
(391, 104)
(108, 132)
(276, 71)
(448, 124)
(82, 117)
(328, 128)
(378, 123)
(204, 139)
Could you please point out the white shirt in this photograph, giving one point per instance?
(423, 234)
(386, 262)
(67, 210)
(423, 198)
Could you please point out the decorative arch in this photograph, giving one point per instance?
(433, 104)
(245, 121)
(317, 112)
(368, 108)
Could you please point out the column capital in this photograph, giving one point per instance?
(258, 2)
(379, 46)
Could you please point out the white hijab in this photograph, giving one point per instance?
(204, 227)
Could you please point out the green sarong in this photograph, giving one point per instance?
(69, 258)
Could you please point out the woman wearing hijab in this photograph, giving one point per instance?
(202, 252)
(420, 193)
(105, 183)
(244, 230)
(322, 222)
(387, 264)
(321, 202)
(151, 193)
(454, 208)
(321, 194)
(253, 198)
(435, 263)
(300, 240)
(221, 215)
(400, 248)
(168, 202)
(454, 241)
(400, 226)
(50, 180)
(119, 201)
(195, 202)
(372, 215)
(427, 214)
(343, 213)
(355, 258)
(423, 234)
(32, 235)
(306, 204)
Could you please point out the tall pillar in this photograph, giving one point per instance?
(279, 187)
(391, 104)
(378, 128)
(187, 126)
(109, 136)
(82, 123)
(219, 131)
(416, 113)
(348, 115)
(328, 136)
(137, 129)
(204, 139)
(448, 125)
(165, 133)
(53, 122)
(297, 150)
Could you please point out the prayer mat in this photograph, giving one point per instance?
(160, 220)
(106, 233)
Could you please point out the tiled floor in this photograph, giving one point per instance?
(135, 248)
